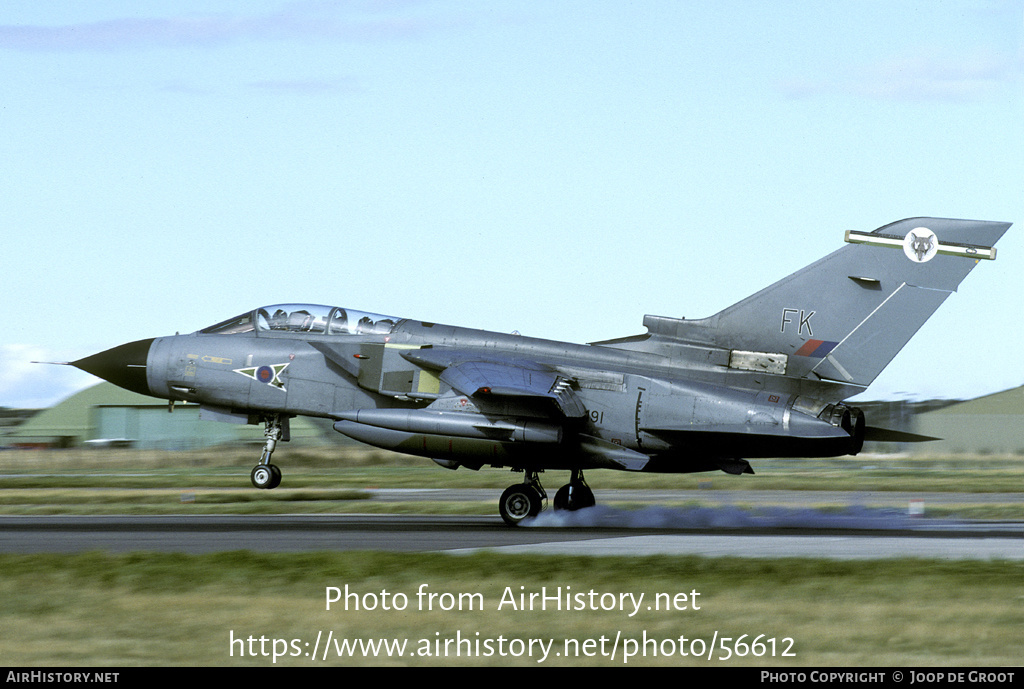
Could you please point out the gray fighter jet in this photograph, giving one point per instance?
(763, 378)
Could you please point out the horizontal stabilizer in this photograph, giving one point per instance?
(884, 435)
(813, 439)
(821, 431)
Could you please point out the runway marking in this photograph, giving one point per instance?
(824, 547)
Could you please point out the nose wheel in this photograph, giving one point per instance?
(266, 476)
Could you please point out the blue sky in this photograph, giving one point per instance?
(559, 168)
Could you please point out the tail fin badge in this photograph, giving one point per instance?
(921, 245)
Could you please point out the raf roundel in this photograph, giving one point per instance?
(269, 375)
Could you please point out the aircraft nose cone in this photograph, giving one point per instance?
(124, 365)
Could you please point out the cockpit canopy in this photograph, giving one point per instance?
(305, 318)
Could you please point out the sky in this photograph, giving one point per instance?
(555, 167)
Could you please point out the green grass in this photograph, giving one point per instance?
(146, 609)
(347, 466)
(155, 609)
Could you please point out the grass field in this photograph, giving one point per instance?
(243, 608)
(151, 609)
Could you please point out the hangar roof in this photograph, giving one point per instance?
(74, 418)
(71, 416)
(1005, 402)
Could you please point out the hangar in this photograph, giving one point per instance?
(989, 425)
(110, 415)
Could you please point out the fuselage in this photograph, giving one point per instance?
(680, 406)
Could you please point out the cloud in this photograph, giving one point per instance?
(917, 77)
(308, 86)
(28, 385)
(937, 78)
(294, 21)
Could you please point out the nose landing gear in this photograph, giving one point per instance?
(266, 475)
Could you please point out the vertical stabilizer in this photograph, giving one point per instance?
(844, 317)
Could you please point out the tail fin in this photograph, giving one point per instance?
(844, 317)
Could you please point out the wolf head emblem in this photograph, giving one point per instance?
(920, 245)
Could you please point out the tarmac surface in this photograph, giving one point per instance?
(817, 524)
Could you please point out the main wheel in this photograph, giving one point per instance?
(519, 502)
(574, 496)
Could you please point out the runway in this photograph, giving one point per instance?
(604, 531)
(796, 498)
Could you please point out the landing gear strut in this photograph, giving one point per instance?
(527, 499)
(267, 475)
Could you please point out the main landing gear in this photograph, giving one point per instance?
(267, 475)
(526, 499)
(575, 495)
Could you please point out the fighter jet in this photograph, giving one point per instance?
(766, 377)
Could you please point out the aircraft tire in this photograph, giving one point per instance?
(574, 496)
(265, 476)
(519, 502)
